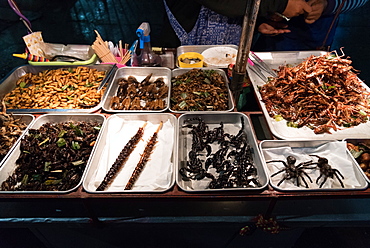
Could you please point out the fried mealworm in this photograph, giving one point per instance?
(144, 158)
(121, 159)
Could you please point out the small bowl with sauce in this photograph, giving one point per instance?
(191, 60)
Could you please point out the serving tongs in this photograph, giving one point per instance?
(258, 62)
(253, 67)
(111, 72)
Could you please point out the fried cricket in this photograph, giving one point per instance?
(322, 93)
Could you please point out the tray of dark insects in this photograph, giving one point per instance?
(200, 90)
(13, 127)
(139, 89)
(135, 154)
(53, 154)
(309, 99)
(218, 152)
(360, 151)
(311, 165)
(55, 89)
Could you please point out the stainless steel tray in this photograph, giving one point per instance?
(9, 83)
(9, 164)
(139, 73)
(157, 175)
(198, 49)
(83, 52)
(231, 105)
(356, 142)
(279, 128)
(336, 153)
(26, 119)
(232, 125)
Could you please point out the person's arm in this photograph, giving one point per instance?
(236, 8)
(330, 7)
(333, 6)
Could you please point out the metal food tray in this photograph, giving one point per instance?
(198, 49)
(232, 125)
(335, 151)
(279, 128)
(139, 73)
(85, 53)
(28, 120)
(119, 129)
(9, 164)
(356, 142)
(179, 71)
(9, 83)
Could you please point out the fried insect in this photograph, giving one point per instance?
(322, 93)
(121, 159)
(327, 171)
(10, 130)
(143, 159)
(146, 95)
(199, 90)
(63, 88)
(233, 160)
(292, 171)
(361, 152)
(53, 157)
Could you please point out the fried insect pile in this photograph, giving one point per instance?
(322, 93)
(199, 90)
(135, 95)
(361, 152)
(53, 157)
(63, 88)
(10, 130)
(297, 172)
(233, 161)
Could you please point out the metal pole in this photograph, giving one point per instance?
(240, 68)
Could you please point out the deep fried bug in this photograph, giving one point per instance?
(292, 171)
(10, 130)
(199, 90)
(143, 159)
(121, 159)
(53, 157)
(323, 93)
(233, 160)
(327, 171)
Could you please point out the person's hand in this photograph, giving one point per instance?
(318, 7)
(296, 8)
(273, 28)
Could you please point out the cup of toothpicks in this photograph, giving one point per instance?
(101, 49)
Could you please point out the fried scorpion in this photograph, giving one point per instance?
(233, 160)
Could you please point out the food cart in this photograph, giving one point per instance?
(312, 207)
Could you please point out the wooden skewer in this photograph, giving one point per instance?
(121, 159)
(126, 57)
(120, 48)
(102, 50)
(143, 159)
